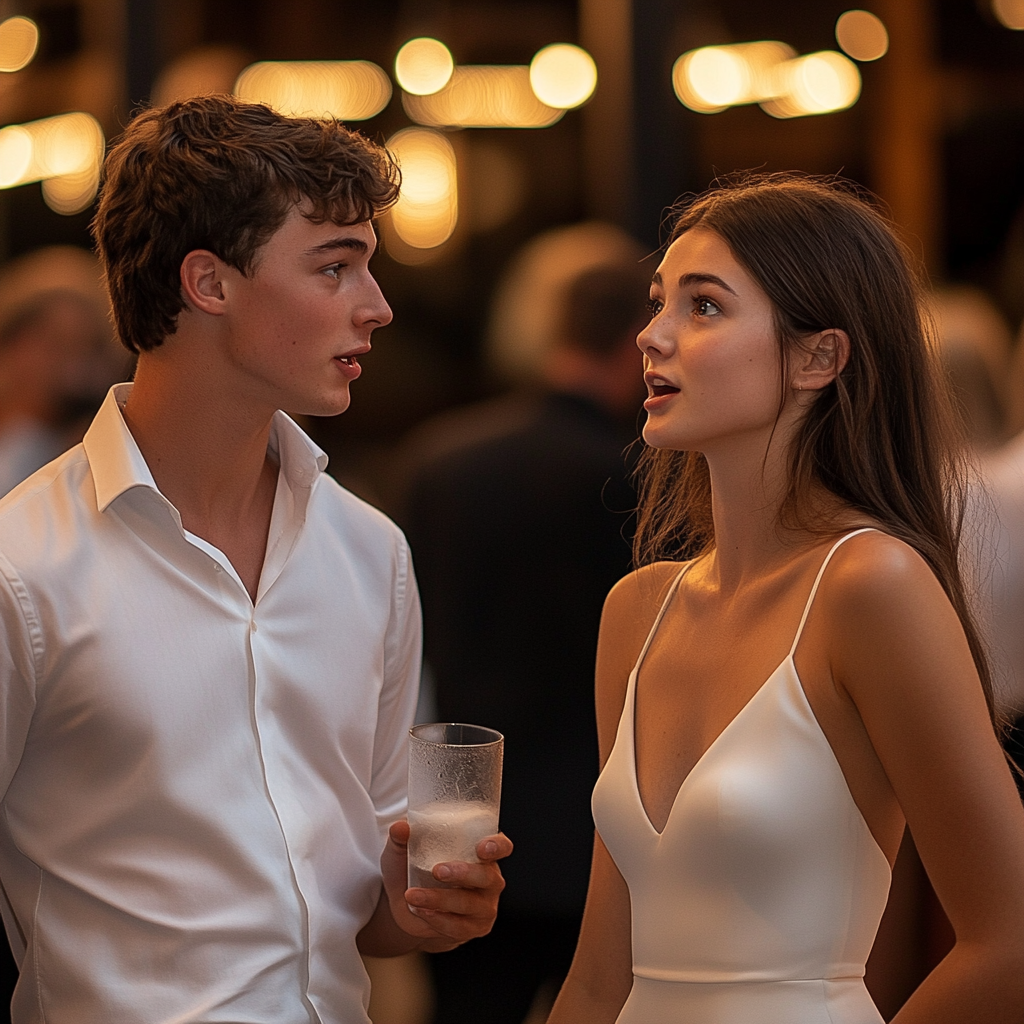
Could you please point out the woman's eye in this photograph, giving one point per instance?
(653, 307)
(705, 307)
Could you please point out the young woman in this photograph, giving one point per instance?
(772, 712)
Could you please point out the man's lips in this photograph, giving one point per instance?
(349, 363)
(352, 358)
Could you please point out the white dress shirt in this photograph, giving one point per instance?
(196, 788)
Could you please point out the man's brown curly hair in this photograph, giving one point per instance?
(213, 173)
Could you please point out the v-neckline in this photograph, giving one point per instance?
(707, 750)
(788, 660)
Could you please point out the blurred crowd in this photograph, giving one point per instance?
(58, 356)
(528, 494)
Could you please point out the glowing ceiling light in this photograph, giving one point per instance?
(424, 66)
(71, 193)
(350, 90)
(428, 207)
(862, 35)
(563, 75)
(716, 77)
(64, 152)
(1010, 13)
(15, 155)
(817, 83)
(19, 40)
(483, 96)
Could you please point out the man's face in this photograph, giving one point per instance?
(299, 322)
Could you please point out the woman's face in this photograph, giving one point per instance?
(711, 359)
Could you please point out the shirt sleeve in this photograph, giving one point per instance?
(20, 655)
(399, 694)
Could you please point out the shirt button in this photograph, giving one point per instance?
(253, 627)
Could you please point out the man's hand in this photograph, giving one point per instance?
(443, 918)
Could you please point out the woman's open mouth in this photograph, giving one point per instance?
(658, 386)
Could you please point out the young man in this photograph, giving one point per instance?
(209, 652)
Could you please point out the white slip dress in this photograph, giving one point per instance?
(759, 901)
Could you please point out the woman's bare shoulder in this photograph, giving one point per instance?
(875, 573)
(634, 601)
(886, 611)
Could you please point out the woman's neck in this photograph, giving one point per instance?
(749, 494)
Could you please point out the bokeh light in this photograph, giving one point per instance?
(483, 96)
(424, 66)
(19, 40)
(71, 193)
(716, 77)
(15, 155)
(64, 152)
(427, 210)
(350, 90)
(1010, 13)
(817, 83)
(563, 75)
(862, 35)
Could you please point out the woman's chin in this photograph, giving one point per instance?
(660, 438)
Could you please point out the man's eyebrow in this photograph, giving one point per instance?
(701, 278)
(349, 242)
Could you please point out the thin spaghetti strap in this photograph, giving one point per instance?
(661, 612)
(817, 579)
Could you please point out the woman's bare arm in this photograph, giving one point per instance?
(899, 652)
(602, 970)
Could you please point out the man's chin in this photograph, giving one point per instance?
(326, 407)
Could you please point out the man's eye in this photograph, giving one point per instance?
(334, 269)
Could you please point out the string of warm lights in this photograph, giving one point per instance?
(65, 152)
(769, 73)
(350, 90)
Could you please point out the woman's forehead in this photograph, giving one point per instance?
(701, 251)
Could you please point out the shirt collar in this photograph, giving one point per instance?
(117, 463)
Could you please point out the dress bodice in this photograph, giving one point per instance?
(764, 891)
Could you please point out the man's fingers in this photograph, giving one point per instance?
(460, 873)
(494, 847)
(398, 833)
(462, 902)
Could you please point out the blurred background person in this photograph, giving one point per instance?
(57, 357)
(516, 510)
(975, 346)
(1002, 578)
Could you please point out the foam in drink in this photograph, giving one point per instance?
(442, 832)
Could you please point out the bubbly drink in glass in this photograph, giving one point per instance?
(444, 832)
(454, 794)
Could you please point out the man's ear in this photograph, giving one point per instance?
(820, 358)
(202, 281)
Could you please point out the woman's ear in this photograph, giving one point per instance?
(820, 359)
(202, 285)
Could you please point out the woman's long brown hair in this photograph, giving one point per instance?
(884, 436)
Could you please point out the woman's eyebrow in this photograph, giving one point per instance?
(699, 278)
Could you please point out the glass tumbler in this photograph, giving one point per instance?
(454, 793)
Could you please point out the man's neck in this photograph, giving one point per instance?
(208, 456)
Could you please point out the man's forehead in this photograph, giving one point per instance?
(315, 236)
